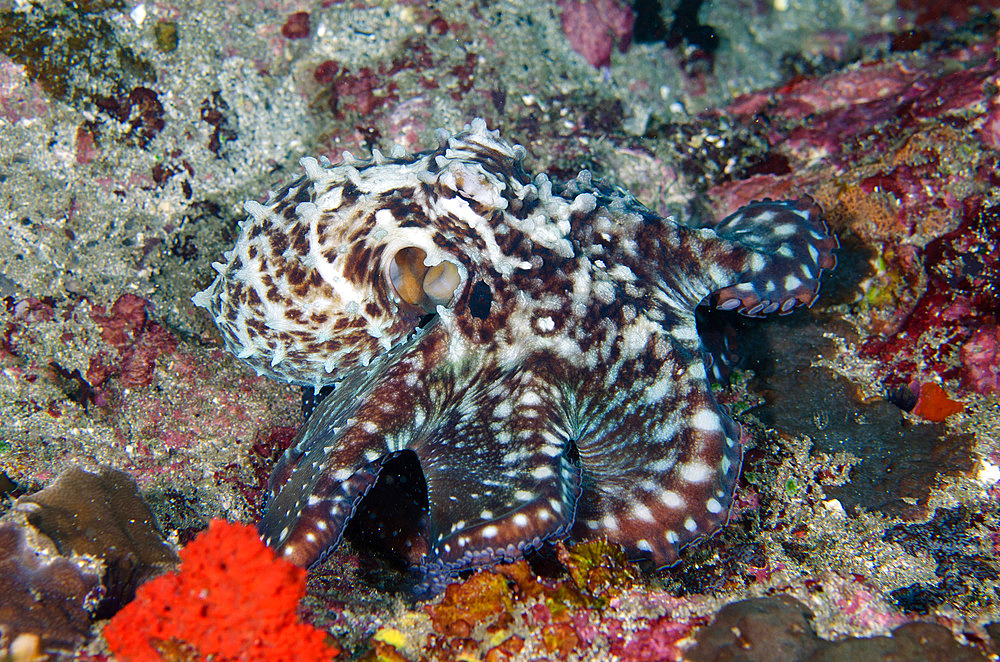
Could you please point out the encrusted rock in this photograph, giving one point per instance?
(103, 516)
(43, 595)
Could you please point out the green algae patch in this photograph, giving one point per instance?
(72, 53)
(165, 33)
(599, 570)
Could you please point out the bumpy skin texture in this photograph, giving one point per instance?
(559, 390)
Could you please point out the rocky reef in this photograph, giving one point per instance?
(866, 517)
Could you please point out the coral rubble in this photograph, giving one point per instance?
(101, 515)
(44, 595)
(780, 630)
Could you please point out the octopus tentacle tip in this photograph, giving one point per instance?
(479, 377)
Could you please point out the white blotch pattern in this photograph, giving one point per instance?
(532, 340)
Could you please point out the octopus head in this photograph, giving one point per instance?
(353, 260)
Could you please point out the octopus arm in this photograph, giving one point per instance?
(764, 258)
(501, 482)
(317, 485)
(660, 458)
(320, 492)
(493, 456)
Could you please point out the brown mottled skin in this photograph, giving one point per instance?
(548, 378)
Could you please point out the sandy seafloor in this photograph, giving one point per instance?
(126, 156)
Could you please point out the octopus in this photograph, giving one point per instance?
(530, 346)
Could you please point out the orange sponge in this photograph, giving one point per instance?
(934, 404)
(232, 599)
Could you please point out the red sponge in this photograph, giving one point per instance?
(232, 599)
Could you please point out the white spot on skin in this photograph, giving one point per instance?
(545, 324)
(713, 506)
(541, 473)
(642, 512)
(604, 292)
(520, 519)
(684, 332)
(513, 457)
(719, 276)
(623, 273)
(636, 336)
(503, 410)
(530, 399)
(690, 525)
(649, 485)
(661, 466)
(490, 531)
(523, 495)
(610, 523)
(784, 230)
(707, 420)
(550, 450)
(672, 499)
(658, 389)
(696, 472)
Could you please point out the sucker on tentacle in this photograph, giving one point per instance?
(531, 345)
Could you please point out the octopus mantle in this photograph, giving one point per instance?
(531, 346)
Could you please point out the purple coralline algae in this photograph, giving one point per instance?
(595, 27)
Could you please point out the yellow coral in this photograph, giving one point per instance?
(390, 636)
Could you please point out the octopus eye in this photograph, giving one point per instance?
(420, 285)
(406, 273)
(480, 300)
(441, 281)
